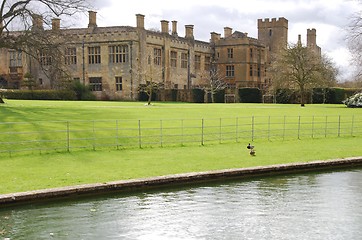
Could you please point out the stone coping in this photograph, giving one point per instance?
(169, 180)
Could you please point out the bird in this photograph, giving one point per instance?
(252, 151)
(251, 147)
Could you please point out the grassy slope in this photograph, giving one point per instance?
(62, 169)
(32, 172)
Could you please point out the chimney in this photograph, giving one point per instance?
(140, 21)
(92, 19)
(37, 22)
(174, 28)
(214, 37)
(164, 26)
(189, 29)
(299, 40)
(55, 24)
(227, 32)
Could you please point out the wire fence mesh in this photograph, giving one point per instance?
(48, 136)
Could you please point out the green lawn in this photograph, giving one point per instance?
(23, 172)
(25, 111)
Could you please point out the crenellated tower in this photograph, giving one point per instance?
(273, 34)
(312, 40)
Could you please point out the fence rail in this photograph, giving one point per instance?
(48, 136)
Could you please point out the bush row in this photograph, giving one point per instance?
(246, 95)
(255, 95)
(41, 94)
(318, 95)
(77, 92)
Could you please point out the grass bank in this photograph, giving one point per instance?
(24, 173)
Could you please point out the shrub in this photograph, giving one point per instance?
(198, 95)
(354, 101)
(82, 91)
(143, 97)
(320, 95)
(41, 94)
(250, 95)
(219, 97)
(283, 96)
(336, 95)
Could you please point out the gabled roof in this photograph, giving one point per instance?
(238, 34)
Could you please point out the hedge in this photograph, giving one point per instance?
(41, 94)
(198, 95)
(332, 95)
(219, 97)
(250, 95)
(143, 96)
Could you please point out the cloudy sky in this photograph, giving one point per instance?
(329, 17)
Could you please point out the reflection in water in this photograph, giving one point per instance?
(308, 206)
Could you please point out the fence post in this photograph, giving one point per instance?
(269, 128)
(352, 125)
(202, 132)
(139, 134)
(325, 128)
(339, 125)
(237, 129)
(94, 136)
(252, 128)
(220, 132)
(68, 137)
(284, 127)
(313, 126)
(161, 132)
(182, 132)
(298, 127)
(117, 136)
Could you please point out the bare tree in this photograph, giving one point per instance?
(354, 39)
(21, 27)
(301, 69)
(2, 91)
(214, 82)
(151, 75)
(149, 88)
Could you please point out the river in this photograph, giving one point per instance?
(321, 205)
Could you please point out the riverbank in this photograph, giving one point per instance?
(46, 171)
(176, 179)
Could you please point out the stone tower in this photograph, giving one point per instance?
(312, 40)
(311, 37)
(274, 33)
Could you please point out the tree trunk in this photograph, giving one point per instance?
(149, 97)
(302, 103)
(1, 100)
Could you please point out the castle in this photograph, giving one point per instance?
(114, 61)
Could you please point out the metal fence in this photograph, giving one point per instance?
(48, 136)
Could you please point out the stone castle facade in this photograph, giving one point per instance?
(114, 61)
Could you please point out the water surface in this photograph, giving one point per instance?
(326, 205)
